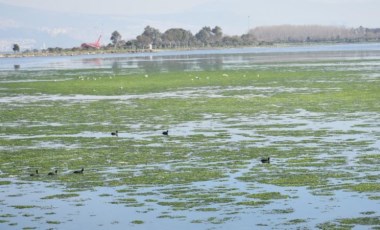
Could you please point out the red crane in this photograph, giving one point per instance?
(95, 45)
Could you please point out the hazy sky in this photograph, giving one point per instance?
(73, 21)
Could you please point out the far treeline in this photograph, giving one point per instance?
(207, 37)
(264, 35)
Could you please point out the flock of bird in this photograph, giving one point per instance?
(116, 133)
(56, 171)
(264, 160)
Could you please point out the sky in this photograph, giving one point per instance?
(36, 24)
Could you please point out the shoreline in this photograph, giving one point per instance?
(45, 53)
(69, 53)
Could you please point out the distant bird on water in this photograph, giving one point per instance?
(116, 133)
(265, 160)
(34, 174)
(166, 133)
(53, 173)
(79, 171)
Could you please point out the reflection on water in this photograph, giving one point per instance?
(92, 62)
(167, 61)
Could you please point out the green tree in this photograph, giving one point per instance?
(217, 35)
(217, 31)
(131, 44)
(154, 35)
(204, 35)
(178, 37)
(115, 38)
(248, 39)
(232, 40)
(16, 48)
(143, 41)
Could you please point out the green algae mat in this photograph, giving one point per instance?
(318, 121)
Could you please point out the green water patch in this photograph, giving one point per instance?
(196, 198)
(288, 177)
(212, 220)
(24, 206)
(128, 202)
(60, 196)
(295, 222)
(157, 82)
(5, 182)
(319, 126)
(307, 162)
(268, 196)
(295, 180)
(53, 222)
(364, 187)
(137, 222)
(252, 203)
(166, 216)
(371, 159)
(350, 223)
(282, 211)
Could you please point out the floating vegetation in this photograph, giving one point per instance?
(364, 187)
(171, 217)
(295, 221)
(4, 182)
(137, 222)
(23, 206)
(53, 222)
(61, 196)
(317, 120)
(128, 202)
(6, 215)
(349, 223)
(267, 196)
(282, 211)
(253, 203)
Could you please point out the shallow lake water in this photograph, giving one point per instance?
(339, 140)
(238, 58)
(96, 209)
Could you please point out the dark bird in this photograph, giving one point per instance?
(265, 160)
(166, 133)
(116, 133)
(34, 174)
(53, 173)
(79, 171)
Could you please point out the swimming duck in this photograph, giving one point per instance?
(115, 133)
(166, 133)
(34, 174)
(52, 173)
(265, 160)
(79, 171)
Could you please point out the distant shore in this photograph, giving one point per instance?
(69, 53)
(79, 52)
